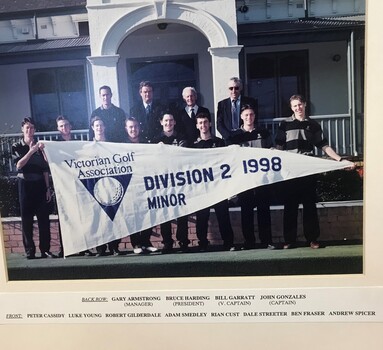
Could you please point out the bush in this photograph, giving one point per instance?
(9, 199)
(340, 185)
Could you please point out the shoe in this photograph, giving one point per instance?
(138, 250)
(248, 246)
(117, 252)
(271, 246)
(49, 255)
(101, 254)
(88, 253)
(314, 245)
(60, 254)
(184, 248)
(289, 245)
(31, 257)
(167, 249)
(203, 248)
(229, 248)
(151, 249)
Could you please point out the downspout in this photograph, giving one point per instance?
(351, 91)
(306, 6)
(35, 25)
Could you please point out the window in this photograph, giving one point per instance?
(274, 77)
(168, 77)
(56, 91)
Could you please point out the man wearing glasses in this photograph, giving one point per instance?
(228, 112)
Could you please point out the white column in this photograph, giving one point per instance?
(225, 65)
(104, 72)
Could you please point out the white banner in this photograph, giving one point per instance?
(108, 190)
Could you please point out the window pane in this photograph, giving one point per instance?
(273, 77)
(168, 78)
(56, 91)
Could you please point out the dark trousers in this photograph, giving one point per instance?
(181, 233)
(32, 197)
(258, 197)
(141, 239)
(113, 247)
(224, 224)
(296, 191)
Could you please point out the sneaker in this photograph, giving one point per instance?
(49, 255)
(271, 246)
(117, 252)
(151, 249)
(314, 245)
(138, 250)
(229, 248)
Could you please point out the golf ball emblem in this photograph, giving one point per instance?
(108, 191)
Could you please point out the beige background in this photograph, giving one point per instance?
(310, 336)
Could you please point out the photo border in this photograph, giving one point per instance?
(230, 335)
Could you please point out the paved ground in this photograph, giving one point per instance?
(333, 258)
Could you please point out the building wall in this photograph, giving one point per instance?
(339, 222)
(14, 97)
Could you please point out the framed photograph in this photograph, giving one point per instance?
(352, 302)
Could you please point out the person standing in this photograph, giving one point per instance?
(207, 140)
(228, 111)
(34, 190)
(111, 115)
(169, 136)
(140, 240)
(250, 135)
(64, 126)
(99, 131)
(300, 134)
(187, 116)
(148, 111)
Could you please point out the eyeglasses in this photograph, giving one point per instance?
(236, 88)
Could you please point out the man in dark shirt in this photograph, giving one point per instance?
(112, 116)
(169, 136)
(34, 190)
(207, 140)
(249, 135)
(141, 240)
(299, 134)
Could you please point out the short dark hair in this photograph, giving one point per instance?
(131, 119)
(62, 117)
(105, 87)
(27, 120)
(203, 116)
(162, 115)
(94, 119)
(146, 83)
(298, 97)
(247, 106)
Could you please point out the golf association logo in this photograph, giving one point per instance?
(108, 191)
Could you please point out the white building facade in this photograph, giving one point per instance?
(53, 60)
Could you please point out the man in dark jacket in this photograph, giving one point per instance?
(228, 111)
